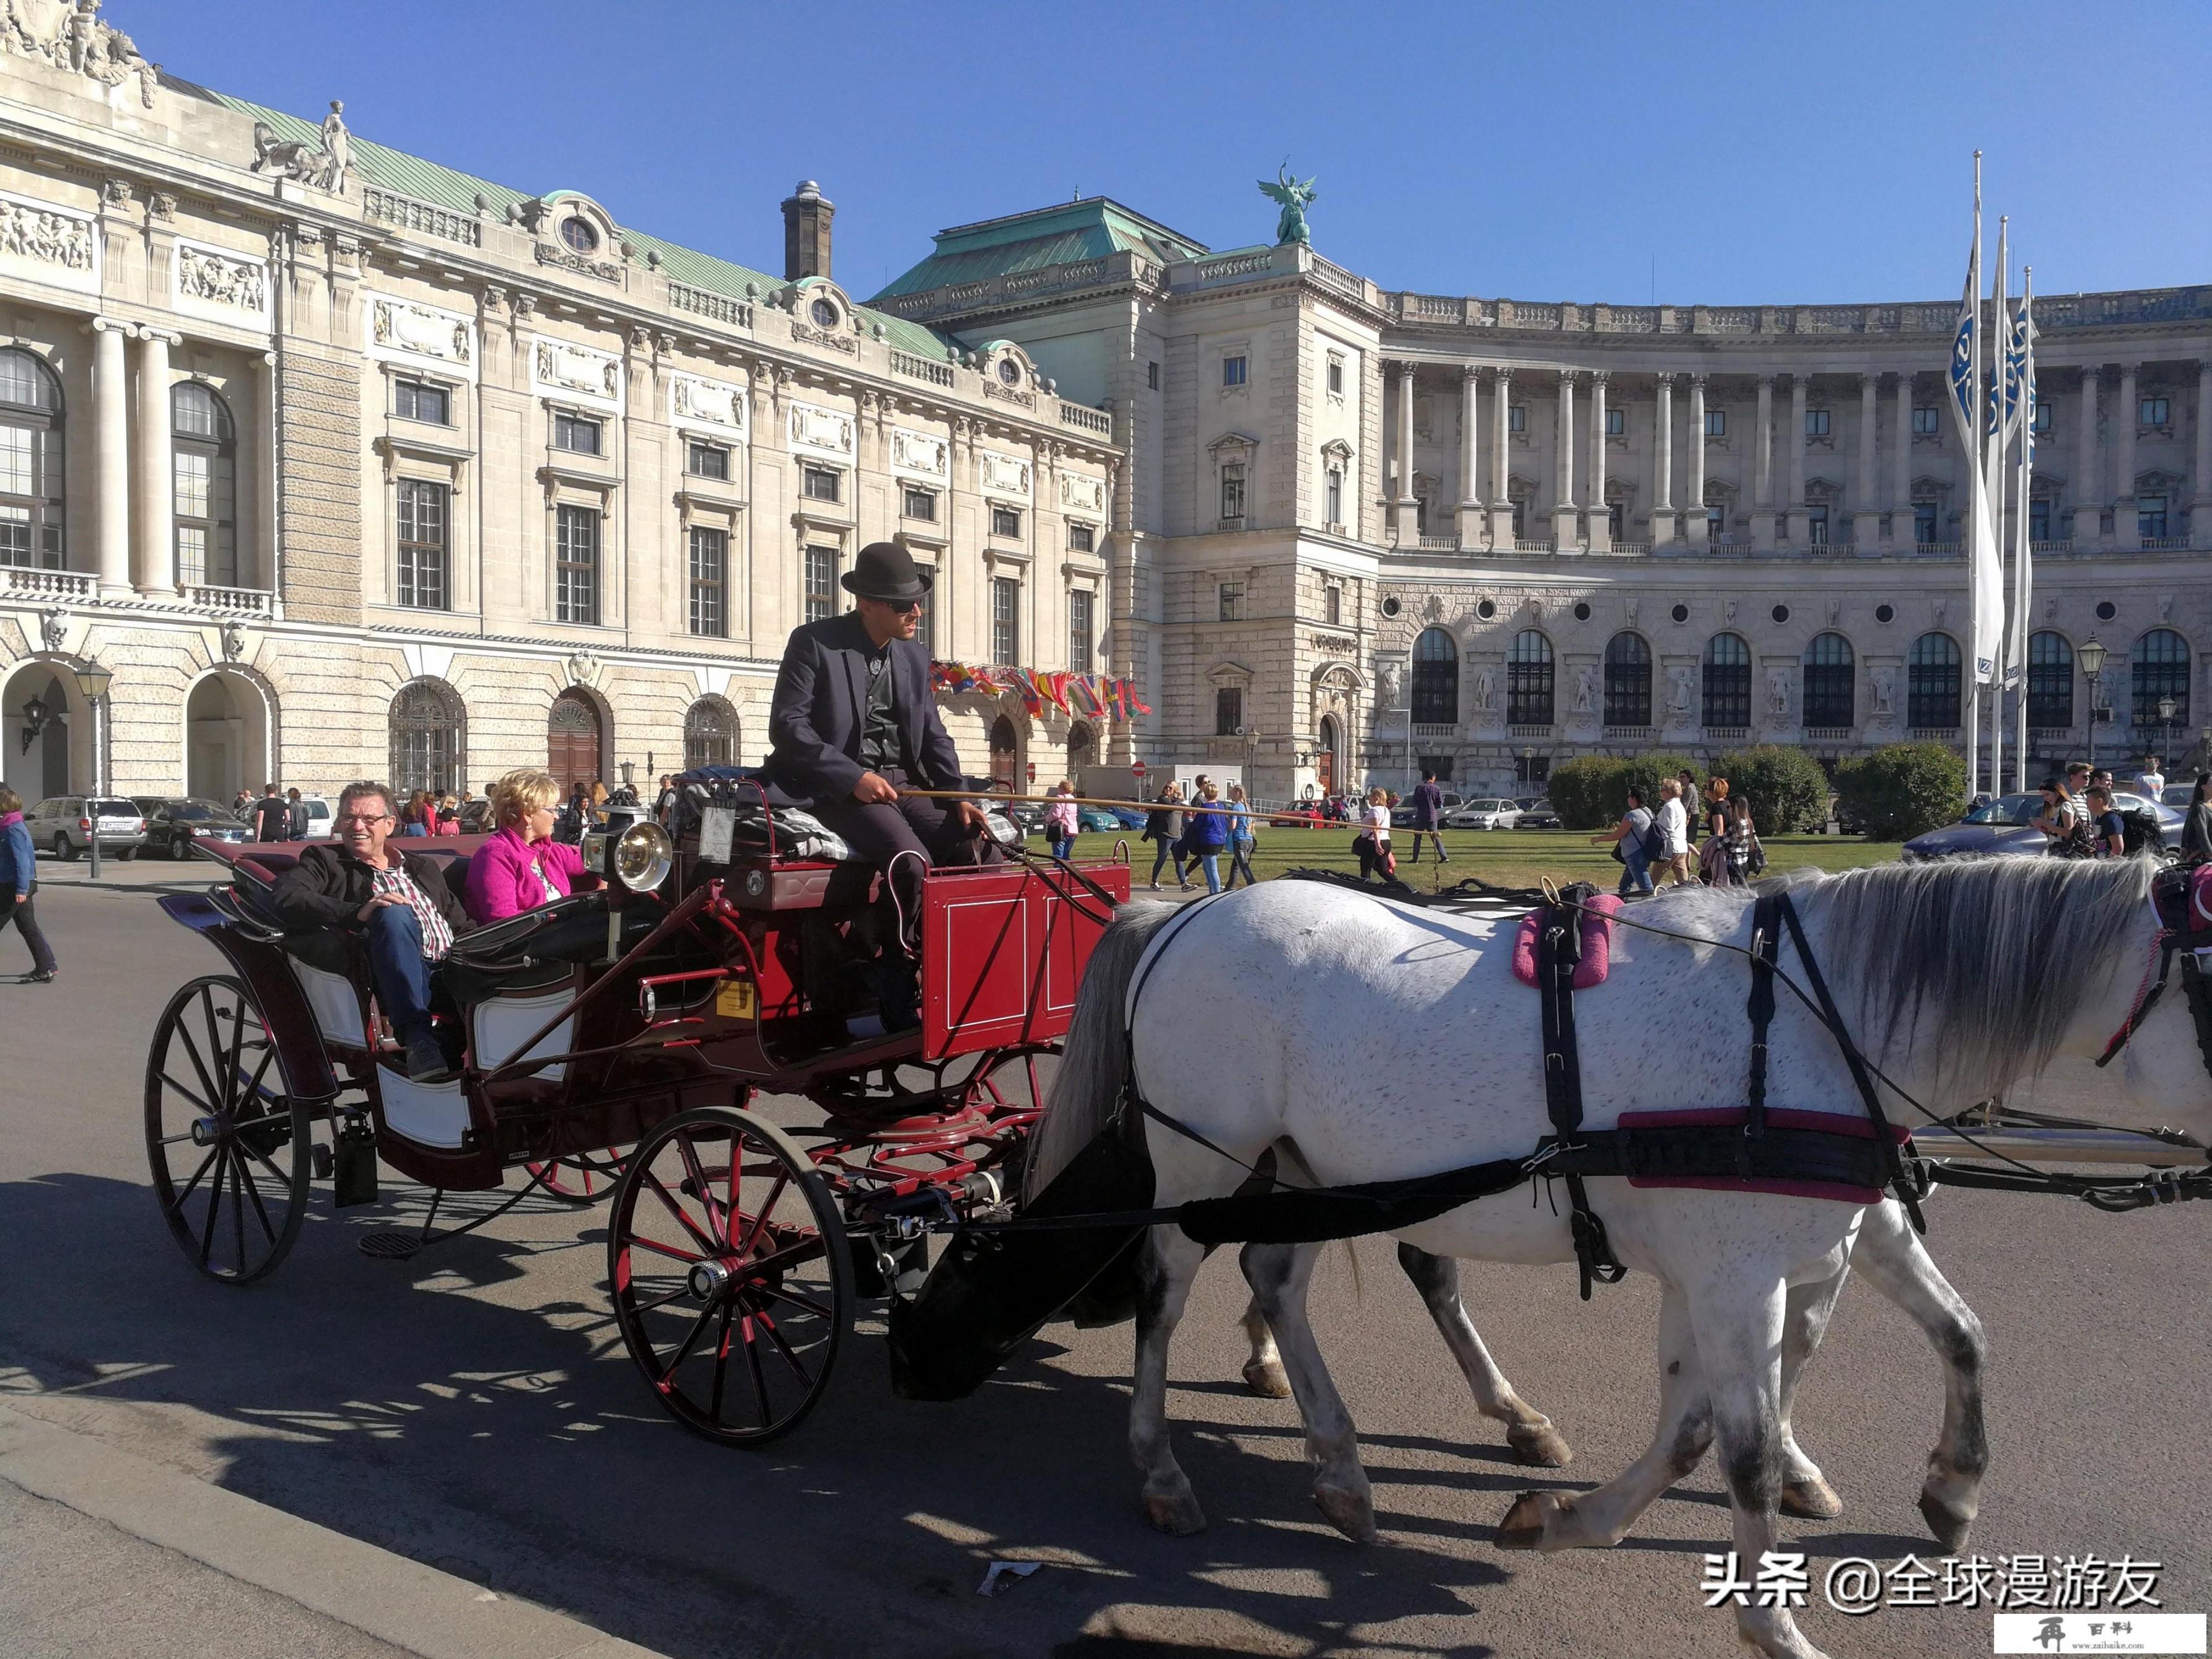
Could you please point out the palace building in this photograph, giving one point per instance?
(346, 462)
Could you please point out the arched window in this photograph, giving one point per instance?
(1078, 748)
(206, 462)
(2159, 667)
(1436, 678)
(1931, 682)
(710, 735)
(30, 463)
(428, 738)
(1831, 695)
(2049, 682)
(1727, 681)
(1627, 681)
(1528, 680)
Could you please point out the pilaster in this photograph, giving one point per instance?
(153, 555)
(1662, 464)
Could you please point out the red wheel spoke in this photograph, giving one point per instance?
(767, 1208)
(684, 1352)
(177, 1203)
(721, 1361)
(705, 1188)
(659, 1249)
(215, 1200)
(707, 1246)
(753, 1366)
(790, 1256)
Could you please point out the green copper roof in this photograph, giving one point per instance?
(1089, 229)
(452, 189)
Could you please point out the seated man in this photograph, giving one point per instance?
(398, 902)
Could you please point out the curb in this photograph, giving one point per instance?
(397, 1600)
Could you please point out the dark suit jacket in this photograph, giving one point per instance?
(815, 723)
(327, 887)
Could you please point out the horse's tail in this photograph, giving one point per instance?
(1094, 1066)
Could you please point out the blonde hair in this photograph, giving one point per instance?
(1377, 795)
(9, 800)
(599, 793)
(516, 795)
(1207, 792)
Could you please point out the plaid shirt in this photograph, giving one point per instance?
(437, 932)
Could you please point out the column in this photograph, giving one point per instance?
(2125, 530)
(1866, 490)
(2088, 491)
(111, 422)
(1694, 528)
(1662, 464)
(1566, 531)
(2200, 501)
(1402, 505)
(1501, 458)
(1901, 465)
(1794, 447)
(1600, 521)
(1762, 452)
(1470, 520)
(263, 571)
(154, 562)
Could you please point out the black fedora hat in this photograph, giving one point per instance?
(885, 571)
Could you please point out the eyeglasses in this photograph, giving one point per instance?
(363, 818)
(901, 607)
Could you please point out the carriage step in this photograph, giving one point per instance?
(387, 1245)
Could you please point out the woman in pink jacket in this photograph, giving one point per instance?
(521, 866)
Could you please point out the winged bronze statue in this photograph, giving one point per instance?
(1294, 197)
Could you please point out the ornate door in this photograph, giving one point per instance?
(1005, 754)
(1325, 762)
(572, 742)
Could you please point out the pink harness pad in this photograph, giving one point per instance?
(1835, 1123)
(1597, 945)
(2200, 899)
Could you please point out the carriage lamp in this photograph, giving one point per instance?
(628, 851)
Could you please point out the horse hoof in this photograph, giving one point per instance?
(1268, 1379)
(1539, 1445)
(1811, 1500)
(1948, 1522)
(1174, 1512)
(1522, 1529)
(1352, 1513)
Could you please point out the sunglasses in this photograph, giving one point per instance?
(901, 607)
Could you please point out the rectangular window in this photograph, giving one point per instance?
(710, 562)
(2155, 412)
(18, 462)
(1816, 422)
(2049, 682)
(2151, 517)
(1007, 522)
(820, 482)
(576, 564)
(1082, 539)
(926, 629)
(191, 555)
(820, 574)
(918, 504)
(206, 509)
(1716, 523)
(1005, 620)
(1717, 423)
(1231, 601)
(1924, 423)
(2042, 414)
(1516, 417)
(707, 461)
(1336, 377)
(420, 578)
(1816, 525)
(1616, 423)
(1228, 710)
(2038, 518)
(1232, 492)
(1234, 369)
(1335, 496)
(1081, 643)
(1331, 605)
(1152, 376)
(577, 433)
(414, 400)
(1616, 521)
(1924, 523)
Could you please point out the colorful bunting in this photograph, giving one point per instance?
(1098, 696)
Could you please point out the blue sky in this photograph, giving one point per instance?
(1776, 153)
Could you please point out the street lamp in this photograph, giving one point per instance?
(2167, 705)
(93, 681)
(2091, 657)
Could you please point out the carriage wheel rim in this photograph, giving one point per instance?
(730, 1277)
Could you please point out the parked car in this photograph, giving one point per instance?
(1306, 815)
(1538, 814)
(2001, 828)
(174, 822)
(319, 826)
(1099, 820)
(64, 825)
(1486, 812)
(2177, 795)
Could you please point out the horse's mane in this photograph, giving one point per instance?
(1981, 963)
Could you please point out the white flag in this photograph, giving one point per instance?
(2020, 409)
(1984, 570)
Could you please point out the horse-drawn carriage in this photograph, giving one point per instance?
(610, 1043)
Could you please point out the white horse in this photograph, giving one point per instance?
(1345, 1032)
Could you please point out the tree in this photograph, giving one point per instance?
(1786, 787)
(1903, 790)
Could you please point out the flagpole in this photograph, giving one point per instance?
(1994, 467)
(2022, 584)
(1978, 505)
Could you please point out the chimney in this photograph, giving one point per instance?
(806, 218)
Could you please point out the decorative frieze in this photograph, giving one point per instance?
(835, 339)
(605, 270)
(1083, 494)
(824, 431)
(925, 454)
(215, 282)
(408, 332)
(712, 406)
(1005, 475)
(575, 374)
(49, 243)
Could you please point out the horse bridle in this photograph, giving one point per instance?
(2171, 901)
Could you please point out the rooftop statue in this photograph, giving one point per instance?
(1294, 197)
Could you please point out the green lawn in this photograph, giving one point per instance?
(1512, 858)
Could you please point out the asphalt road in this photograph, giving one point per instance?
(473, 1409)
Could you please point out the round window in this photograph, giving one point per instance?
(580, 236)
(1885, 613)
(824, 313)
(2106, 610)
(1581, 610)
(1486, 610)
(1009, 370)
(1390, 606)
(1781, 613)
(1681, 613)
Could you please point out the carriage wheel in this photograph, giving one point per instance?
(732, 1284)
(232, 1152)
(581, 1180)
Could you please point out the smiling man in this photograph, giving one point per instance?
(398, 902)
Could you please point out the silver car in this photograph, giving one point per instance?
(1489, 813)
(65, 825)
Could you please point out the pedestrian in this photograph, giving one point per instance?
(1373, 842)
(296, 817)
(2152, 780)
(1692, 804)
(1164, 824)
(420, 817)
(1242, 841)
(598, 813)
(1713, 850)
(19, 882)
(1061, 822)
(1632, 841)
(1673, 823)
(1208, 833)
(449, 816)
(2196, 828)
(240, 802)
(1746, 857)
(1428, 815)
(2063, 819)
(665, 802)
(2108, 830)
(271, 817)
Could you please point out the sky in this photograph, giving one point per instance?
(1770, 154)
